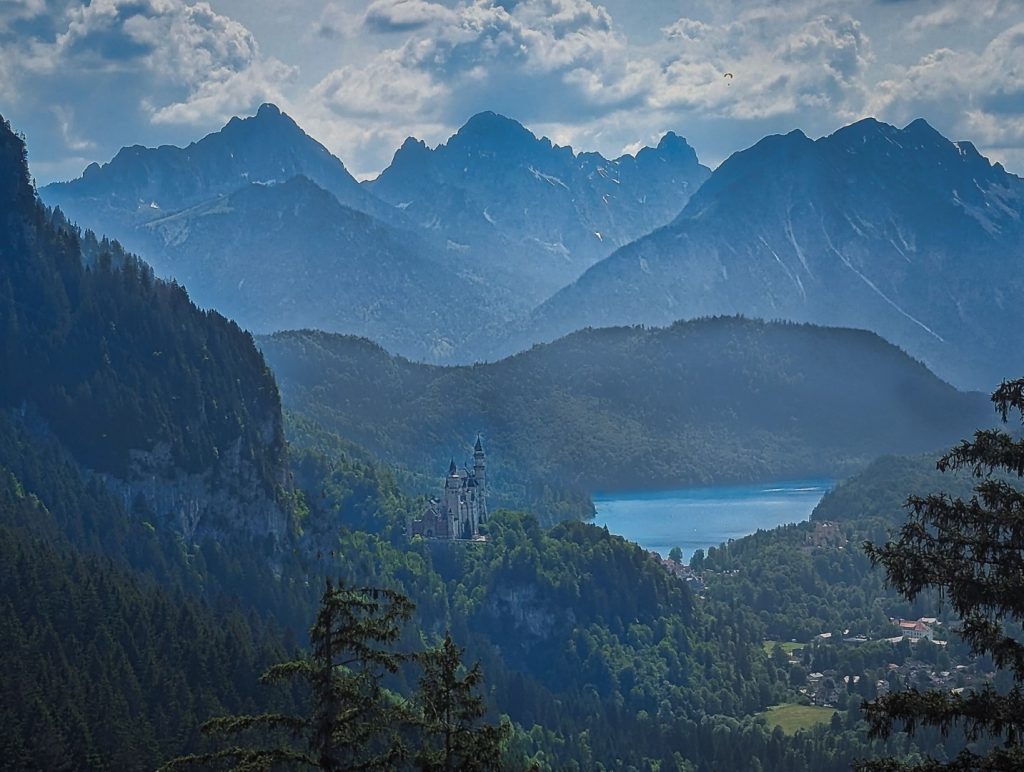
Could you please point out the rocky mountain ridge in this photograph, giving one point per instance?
(507, 197)
(899, 231)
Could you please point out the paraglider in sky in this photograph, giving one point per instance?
(729, 76)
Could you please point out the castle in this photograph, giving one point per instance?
(463, 506)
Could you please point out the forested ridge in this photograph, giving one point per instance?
(123, 368)
(700, 402)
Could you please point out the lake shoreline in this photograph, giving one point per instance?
(703, 517)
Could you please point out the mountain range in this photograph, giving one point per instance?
(411, 259)
(899, 231)
(509, 199)
(496, 240)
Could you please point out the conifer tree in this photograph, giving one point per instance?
(972, 552)
(451, 710)
(352, 723)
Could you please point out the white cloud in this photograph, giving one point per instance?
(405, 15)
(955, 14)
(65, 120)
(602, 74)
(977, 96)
(383, 87)
(777, 68)
(186, 62)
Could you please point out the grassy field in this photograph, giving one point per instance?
(787, 646)
(794, 717)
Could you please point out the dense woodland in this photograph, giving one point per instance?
(121, 636)
(708, 401)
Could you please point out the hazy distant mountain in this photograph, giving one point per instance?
(706, 401)
(289, 255)
(536, 213)
(141, 183)
(899, 231)
(261, 222)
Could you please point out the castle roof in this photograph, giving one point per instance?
(479, 447)
(453, 470)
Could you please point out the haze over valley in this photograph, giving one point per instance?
(545, 385)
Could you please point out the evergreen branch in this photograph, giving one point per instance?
(982, 712)
(284, 671)
(996, 760)
(245, 759)
(235, 724)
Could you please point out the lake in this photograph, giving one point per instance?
(698, 518)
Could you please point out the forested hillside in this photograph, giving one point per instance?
(175, 404)
(715, 400)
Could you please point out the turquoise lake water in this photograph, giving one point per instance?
(698, 518)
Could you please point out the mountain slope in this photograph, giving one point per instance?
(167, 404)
(512, 200)
(894, 230)
(289, 255)
(140, 184)
(707, 401)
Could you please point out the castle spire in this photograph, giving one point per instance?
(453, 470)
(479, 447)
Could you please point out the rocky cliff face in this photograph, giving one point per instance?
(203, 505)
(171, 406)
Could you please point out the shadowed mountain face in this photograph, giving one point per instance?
(532, 212)
(899, 231)
(716, 400)
(170, 406)
(289, 255)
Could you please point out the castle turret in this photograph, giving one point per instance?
(450, 506)
(480, 475)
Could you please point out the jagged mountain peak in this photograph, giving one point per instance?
(921, 127)
(493, 126)
(538, 212)
(672, 141)
(671, 145)
(141, 184)
(869, 133)
(269, 124)
(268, 109)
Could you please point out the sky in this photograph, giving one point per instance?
(80, 80)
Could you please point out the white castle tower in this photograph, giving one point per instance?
(463, 504)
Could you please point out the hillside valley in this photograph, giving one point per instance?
(709, 401)
(529, 386)
(163, 543)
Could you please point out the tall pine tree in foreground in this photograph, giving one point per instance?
(972, 552)
(451, 712)
(352, 723)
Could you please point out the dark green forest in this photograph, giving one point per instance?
(709, 401)
(122, 632)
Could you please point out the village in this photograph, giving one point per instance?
(836, 670)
